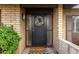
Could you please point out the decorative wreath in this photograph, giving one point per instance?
(39, 21)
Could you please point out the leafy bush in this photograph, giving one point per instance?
(9, 40)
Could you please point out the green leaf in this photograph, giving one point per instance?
(9, 40)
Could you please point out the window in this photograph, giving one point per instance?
(75, 23)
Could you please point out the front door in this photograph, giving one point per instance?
(39, 30)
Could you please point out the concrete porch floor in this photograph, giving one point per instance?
(39, 50)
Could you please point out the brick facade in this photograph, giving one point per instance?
(58, 32)
(11, 15)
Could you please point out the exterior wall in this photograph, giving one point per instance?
(66, 47)
(61, 35)
(60, 21)
(58, 24)
(55, 29)
(22, 32)
(11, 15)
(8, 16)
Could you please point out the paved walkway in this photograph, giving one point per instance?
(39, 50)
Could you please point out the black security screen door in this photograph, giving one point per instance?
(39, 26)
(39, 30)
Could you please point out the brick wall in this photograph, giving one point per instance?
(11, 15)
(58, 32)
(55, 29)
(22, 32)
(60, 21)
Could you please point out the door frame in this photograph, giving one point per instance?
(51, 15)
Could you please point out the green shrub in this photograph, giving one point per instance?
(9, 40)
